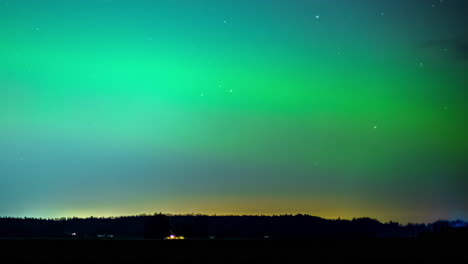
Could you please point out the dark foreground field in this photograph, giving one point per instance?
(234, 251)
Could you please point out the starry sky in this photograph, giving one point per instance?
(335, 108)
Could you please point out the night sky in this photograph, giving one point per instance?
(335, 108)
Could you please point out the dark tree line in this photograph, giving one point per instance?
(141, 226)
(158, 226)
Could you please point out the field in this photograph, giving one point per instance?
(233, 251)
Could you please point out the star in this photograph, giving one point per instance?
(339, 51)
(317, 17)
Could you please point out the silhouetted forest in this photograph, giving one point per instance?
(159, 226)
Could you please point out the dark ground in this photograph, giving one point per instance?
(234, 251)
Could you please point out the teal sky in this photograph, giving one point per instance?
(335, 108)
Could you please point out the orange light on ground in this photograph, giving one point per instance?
(174, 237)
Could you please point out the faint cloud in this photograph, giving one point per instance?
(457, 48)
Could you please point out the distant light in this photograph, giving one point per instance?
(73, 234)
(174, 237)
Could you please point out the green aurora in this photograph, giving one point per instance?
(335, 108)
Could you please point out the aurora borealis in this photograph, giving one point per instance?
(335, 108)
